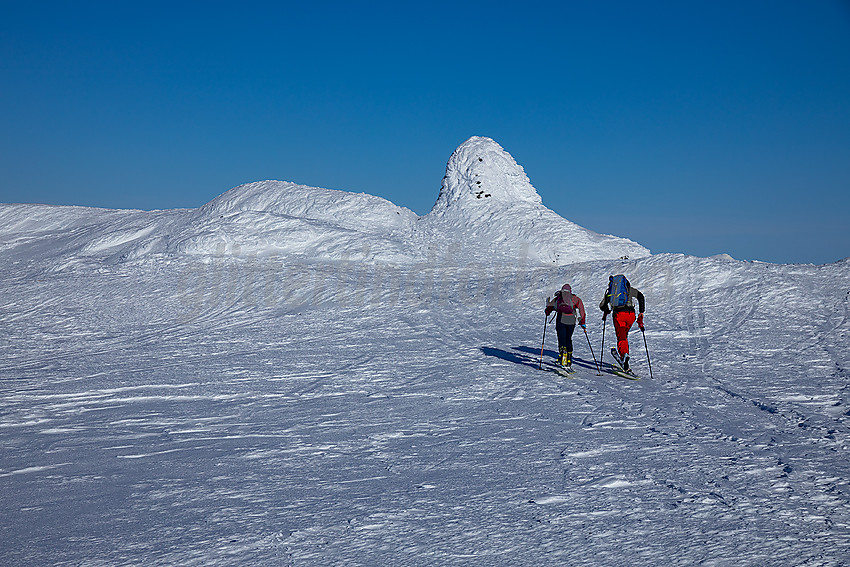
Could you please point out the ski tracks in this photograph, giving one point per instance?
(383, 433)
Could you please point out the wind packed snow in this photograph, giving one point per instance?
(296, 376)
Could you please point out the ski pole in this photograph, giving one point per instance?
(598, 369)
(545, 324)
(649, 362)
(604, 324)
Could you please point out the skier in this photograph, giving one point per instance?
(566, 304)
(619, 298)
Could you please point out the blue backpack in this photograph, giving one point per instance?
(618, 291)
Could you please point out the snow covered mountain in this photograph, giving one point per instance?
(285, 377)
(488, 204)
(487, 212)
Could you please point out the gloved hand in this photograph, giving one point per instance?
(549, 310)
(583, 326)
(640, 321)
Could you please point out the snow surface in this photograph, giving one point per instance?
(204, 387)
(265, 218)
(488, 204)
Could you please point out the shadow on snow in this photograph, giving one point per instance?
(529, 356)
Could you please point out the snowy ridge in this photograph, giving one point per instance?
(352, 211)
(487, 212)
(56, 237)
(283, 218)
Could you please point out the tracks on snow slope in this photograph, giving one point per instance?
(281, 430)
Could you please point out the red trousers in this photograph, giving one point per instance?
(623, 321)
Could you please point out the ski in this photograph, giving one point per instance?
(560, 371)
(627, 374)
(566, 373)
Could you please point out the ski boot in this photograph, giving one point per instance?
(622, 361)
(562, 357)
(565, 359)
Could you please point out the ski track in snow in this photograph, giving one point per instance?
(178, 413)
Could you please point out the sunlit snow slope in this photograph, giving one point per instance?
(487, 204)
(487, 212)
(294, 376)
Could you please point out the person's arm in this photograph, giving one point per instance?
(641, 300)
(641, 307)
(580, 306)
(550, 306)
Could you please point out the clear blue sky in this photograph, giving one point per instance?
(695, 127)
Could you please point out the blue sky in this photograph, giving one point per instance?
(694, 127)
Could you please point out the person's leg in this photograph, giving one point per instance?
(623, 321)
(569, 343)
(563, 339)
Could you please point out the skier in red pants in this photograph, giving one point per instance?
(619, 298)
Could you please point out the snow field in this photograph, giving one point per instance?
(291, 375)
(231, 410)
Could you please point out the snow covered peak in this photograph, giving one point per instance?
(488, 208)
(480, 173)
(487, 212)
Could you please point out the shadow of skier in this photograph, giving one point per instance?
(514, 357)
(577, 361)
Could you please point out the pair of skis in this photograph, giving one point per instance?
(615, 368)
